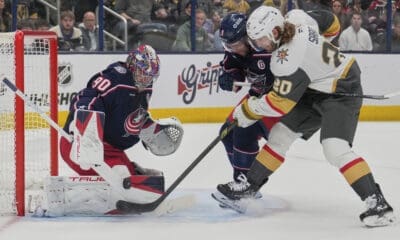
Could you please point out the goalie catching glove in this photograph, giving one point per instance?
(162, 137)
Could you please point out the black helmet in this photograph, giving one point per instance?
(233, 28)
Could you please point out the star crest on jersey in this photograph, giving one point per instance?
(282, 55)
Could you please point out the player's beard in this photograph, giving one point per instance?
(274, 46)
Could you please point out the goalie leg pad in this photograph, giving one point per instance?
(74, 196)
(87, 146)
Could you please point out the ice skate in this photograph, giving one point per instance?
(379, 212)
(233, 194)
(232, 185)
(227, 203)
(240, 189)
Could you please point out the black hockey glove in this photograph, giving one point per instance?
(225, 80)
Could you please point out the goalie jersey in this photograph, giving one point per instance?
(109, 91)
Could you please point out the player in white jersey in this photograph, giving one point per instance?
(308, 72)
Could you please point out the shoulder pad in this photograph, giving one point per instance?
(288, 57)
(118, 67)
(299, 17)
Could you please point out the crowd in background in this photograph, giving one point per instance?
(166, 24)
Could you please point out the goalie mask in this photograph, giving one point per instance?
(144, 63)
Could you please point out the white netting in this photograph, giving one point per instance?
(37, 140)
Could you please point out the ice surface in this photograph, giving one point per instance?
(305, 199)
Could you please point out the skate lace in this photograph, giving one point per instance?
(239, 185)
(371, 201)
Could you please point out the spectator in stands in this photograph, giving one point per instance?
(42, 25)
(308, 5)
(337, 9)
(90, 32)
(396, 36)
(80, 7)
(218, 6)
(206, 5)
(341, 14)
(183, 37)
(172, 7)
(161, 14)
(271, 3)
(355, 38)
(239, 6)
(69, 37)
(136, 12)
(5, 17)
(25, 24)
(184, 13)
(23, 9)
(212, 24)
(380, 40)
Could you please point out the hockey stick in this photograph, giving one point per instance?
(129, 207)
(355, 95)
(103, 170)
(37, 109)
(123, 206)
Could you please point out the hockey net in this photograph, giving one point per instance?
(28, 146)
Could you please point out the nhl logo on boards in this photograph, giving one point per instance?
(64, 73)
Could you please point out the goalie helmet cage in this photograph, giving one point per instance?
(28, 145)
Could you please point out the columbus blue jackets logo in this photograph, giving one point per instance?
(282, 55)
(134, 122)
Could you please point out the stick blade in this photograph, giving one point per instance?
(159, 207)
(394, 94)
(136, 208)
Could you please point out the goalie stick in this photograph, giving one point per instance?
(103, 170)
(37, 109)
(148, 207)
(368, 96)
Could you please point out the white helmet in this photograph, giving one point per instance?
(262, 21)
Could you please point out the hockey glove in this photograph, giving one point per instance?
(243, 114)
(163, 136)
(226, 80)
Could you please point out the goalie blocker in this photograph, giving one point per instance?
(107, 173)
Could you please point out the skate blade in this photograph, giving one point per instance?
(225, 202)
(376, 221)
